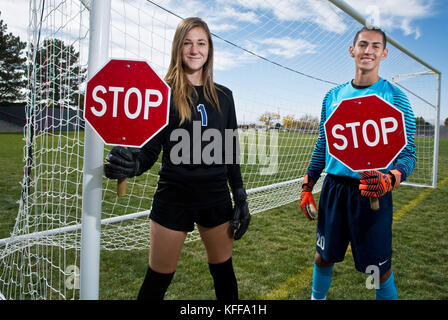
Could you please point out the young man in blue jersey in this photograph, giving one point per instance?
(345, 215)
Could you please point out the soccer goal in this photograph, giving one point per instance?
(279, 58)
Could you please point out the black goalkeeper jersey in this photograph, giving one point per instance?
(196, 139)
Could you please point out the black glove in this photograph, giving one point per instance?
(241, 215)
(122, 163)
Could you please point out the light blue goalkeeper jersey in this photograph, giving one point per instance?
(322, 160)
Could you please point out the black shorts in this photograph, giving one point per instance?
(345, 217)
(179, 207)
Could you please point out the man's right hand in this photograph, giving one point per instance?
(122, 163)
(307, 203)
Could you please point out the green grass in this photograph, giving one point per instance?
(11, 155)
(274, 259)
(277, 254)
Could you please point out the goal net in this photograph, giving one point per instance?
(278, 57)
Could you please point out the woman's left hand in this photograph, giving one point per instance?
(241, 215)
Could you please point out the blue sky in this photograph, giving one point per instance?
(273, 30)
(432, 45)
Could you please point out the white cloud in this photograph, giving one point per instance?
(287, 47)
(405, 26)
(418, 34)
(15, 15)
(319, 12)
(231, 13)
(397, 14)
(325, 15)
(216, 27)
(226, 60)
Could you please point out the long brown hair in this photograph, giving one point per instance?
(180, 86)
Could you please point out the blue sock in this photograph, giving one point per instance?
(387, 290)
(321, 281)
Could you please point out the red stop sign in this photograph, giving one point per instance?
(365, 133)
(127, 103)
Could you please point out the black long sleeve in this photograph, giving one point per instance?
(149, 153)
(234, 169)
(190, 170)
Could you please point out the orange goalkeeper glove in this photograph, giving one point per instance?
(307, 203)
(374, 184)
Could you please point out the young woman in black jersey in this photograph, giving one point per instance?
(191, 188)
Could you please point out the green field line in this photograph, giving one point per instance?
(294, 283)
(400, 213)
(304, 278)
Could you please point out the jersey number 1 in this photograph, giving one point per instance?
(201, 109)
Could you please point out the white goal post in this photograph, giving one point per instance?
(279, 58)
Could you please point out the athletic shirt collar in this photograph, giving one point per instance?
(200, 92)
(363, 87)
(199, 89)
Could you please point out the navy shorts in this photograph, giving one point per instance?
(179, 207)
(345, 217)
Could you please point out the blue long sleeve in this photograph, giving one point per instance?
(317, 163)
(406, 160)
(321, 160)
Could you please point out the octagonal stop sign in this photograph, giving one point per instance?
(365, 133)
(127, 103)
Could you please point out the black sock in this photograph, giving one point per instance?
(155, 285)
(226, 287)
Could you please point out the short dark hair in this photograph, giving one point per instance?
(372, 28)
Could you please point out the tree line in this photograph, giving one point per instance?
(53, 66)
(289, 122)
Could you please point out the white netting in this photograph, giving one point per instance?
(278, 57)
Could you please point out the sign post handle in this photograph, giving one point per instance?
(121, 187)
(374, 204)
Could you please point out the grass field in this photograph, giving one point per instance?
(274, 259)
